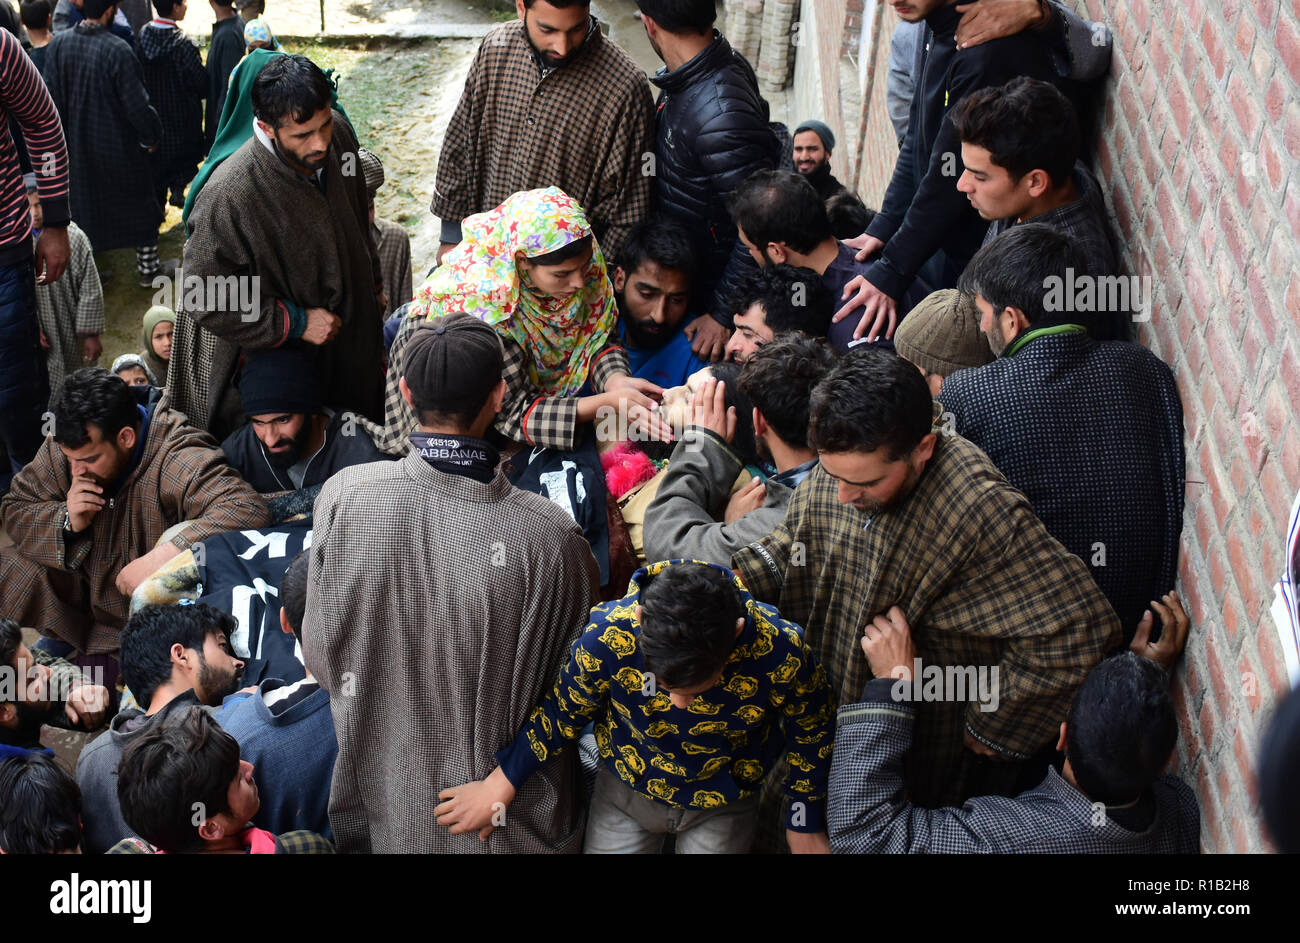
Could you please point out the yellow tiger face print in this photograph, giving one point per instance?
(630, 678)
(621, 768)
(784, 673)
(659, 761)
(623, 613)
(587, 661)
(654, 705)
(741, 686)
(539, 748)
(708, 799)
(621, 708)
(798, 762)
(701, 706)
(694, 749)
(632, 759)
(660, 789)
(619, 641)
(603, 740)
(749, 713)
(763, 642)
(713, 767)
(748, 770)
(708, 726)
(661, 728)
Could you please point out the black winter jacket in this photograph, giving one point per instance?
(346, 444)
(711, 132)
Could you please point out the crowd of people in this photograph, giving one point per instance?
(681, 501)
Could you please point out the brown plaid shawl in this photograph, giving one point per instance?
(584, 127)
(982, 584)
(527, 415)
(66, 586)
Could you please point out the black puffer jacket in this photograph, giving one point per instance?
(711, 132)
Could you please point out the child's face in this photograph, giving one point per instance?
(134, 376)
(161, 338)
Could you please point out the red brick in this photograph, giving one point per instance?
(1278, 496)
(1252, 342)
(1208, 722)
(1276, 412)
(1233, 617)
(1223, 356)
(1270, 656)
(1216, 566)
(1246, 571)
(1238, 473)
(1287, 40)
(1178, 104)
(1291, 207)
(1103, 159)
(1261, 64)
(1240, 843)
(1256, 445)
(1214, 49)
(1281, 262)
(1192, 587)
(1140, 17)
(1291, 461)
(1244, 108)
(1245, 765)
(1265, 11)
(1290, 372)
(1178, 694)
(1261, 224)
(1210, 835)
(1275, 99)
(1244, 39)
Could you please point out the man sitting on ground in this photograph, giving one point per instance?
(695, 514)
(652, 283)
(184, 789)
(287, 733)
(87, 514)
(1091, 432)
(775, 300)
(172, 657)
(687, 653)
(291, 439)
(38, 688)
(1110, 797)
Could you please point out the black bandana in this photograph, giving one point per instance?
(457, 454)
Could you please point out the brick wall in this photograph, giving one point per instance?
(1198, 151)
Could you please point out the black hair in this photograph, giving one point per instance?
(733, 392)
(40, 806)
(94, 9)
(149, 635)
(688, 623)
(451, 382)
(293, 592)
(290, 87)
(793, 299)
(662, 241)
(11, 639)
(847, 216)
(1022, 267)
(559, 4)
(35, 14)
(680, 16)
(175, 768)
(1025, 125)
(780, 206)
(93, 397)
(164, 7)
(1279, 767)
(1121, 729)
(779, 379)
(870, 399)
(574, 249)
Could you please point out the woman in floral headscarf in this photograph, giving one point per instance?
(532, 270)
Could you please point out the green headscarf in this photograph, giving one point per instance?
(152, 318)
(236, 124)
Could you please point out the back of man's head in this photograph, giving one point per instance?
(94, 9)
(792, 299)
(293, 592)
(779, 379)
(35, 14)
(688, 623)
(1121, 729)
(1025, 125)
(93, 397)
(40, 807)
(680, 16)
(290, 88)
(452, 364)
(176, 771)
(870, 399)
(663, 242)
(776, 206)
(1031, 267)
(148, 637)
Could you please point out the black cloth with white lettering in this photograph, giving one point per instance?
(457, 454)
(240, 572)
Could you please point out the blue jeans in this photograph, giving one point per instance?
(24, 384)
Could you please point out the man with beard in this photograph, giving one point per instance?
(38, 688)
(88, 515)
(813, 143)
(902, 513)
(280, 242)
(173, 657)
(291, 440)
(549, 101)
(652, 282)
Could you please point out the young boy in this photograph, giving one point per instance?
(184, 789)
(177, 82)
(686, 678)
(133, 370)
(37, 688)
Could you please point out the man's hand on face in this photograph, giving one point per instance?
(52, 254)
(879, 311)
(141, 568)
(887, 643)
(472, 807)
(85, 500)
(709, 410)
(87, 706)
(322, 326)
(808, 843)
(708, 338)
